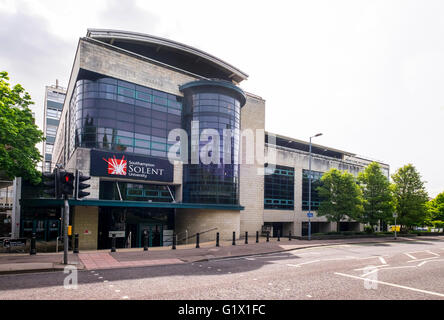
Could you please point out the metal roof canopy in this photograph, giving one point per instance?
(44, 202)
(183, 56)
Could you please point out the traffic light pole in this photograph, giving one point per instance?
(65, 232)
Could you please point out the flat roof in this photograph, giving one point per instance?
(302, 145)
(173, 53)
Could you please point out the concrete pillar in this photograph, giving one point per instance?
(86, 224)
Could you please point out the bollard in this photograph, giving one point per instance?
(217, 239)
(33, 249)
(76, 243)
(246, 237)
(257, 236)
(145, 240)
(268, 236)
(289, 235)
(234, 238)
(174, 241)
(279, 235)
(197, 240)
(113, 243)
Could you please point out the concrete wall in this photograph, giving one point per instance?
(86, 224)
(200, 220)
(251, 182)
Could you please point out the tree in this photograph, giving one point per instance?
(18, 133)
(435, 214)
(340, 196)
(410, 196)
(377, 195)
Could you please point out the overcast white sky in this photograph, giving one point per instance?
(369, 75)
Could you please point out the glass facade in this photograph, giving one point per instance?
(215, 108)
(315, 182)
(135, 192)
(279, 189)
(111, 114)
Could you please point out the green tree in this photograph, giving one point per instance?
(340, 196)
(377, 195)
(435, 214)
(410, 197)
(18, 133)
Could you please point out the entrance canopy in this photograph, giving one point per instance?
(42, 202)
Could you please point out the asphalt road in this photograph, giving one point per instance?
(401, 270)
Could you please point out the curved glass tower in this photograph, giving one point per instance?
(212, 104)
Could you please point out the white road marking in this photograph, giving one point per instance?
(417, 260)
(125, 297)
(391, 284)
(300, 264)
(219, 270)
(382, 260)
(250, 259)
(117, 290)
(100, 277)
(435, 254)
(409, 255)
(105, 281)
(424, 262)
(309, 296)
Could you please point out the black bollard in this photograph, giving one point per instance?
(145, 240)
(289, 235)
(279, 235)
(76, 243)
(246, 237)
(217, 239)
(174, 241)
(113, 243)
(234, 238)
(33, 249)
(257, 236)
(268, 236)
(197, 240)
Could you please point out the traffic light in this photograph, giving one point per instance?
(52, 183)
(66, 183)
(81, 186)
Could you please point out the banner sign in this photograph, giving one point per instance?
(123, 165)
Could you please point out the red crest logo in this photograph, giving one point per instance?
(116, 166)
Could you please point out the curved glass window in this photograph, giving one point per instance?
(214, 108)
(111, 114)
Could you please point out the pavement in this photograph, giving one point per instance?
(136, 257)
(407, 269)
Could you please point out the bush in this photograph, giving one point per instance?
(368, 229)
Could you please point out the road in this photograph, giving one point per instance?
(401, 270)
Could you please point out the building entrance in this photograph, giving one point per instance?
(132, 222)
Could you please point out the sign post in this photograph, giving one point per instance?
(395, 215)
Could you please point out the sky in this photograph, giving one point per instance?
(369, 75)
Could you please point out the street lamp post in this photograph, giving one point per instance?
(309, 187)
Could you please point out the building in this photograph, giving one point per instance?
(127, 92)
(54, 98)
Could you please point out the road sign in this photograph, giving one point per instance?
(395, 215)
(119, 234)
(310, 215)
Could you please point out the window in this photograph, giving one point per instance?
(51, 130)
(53, 114)
(315, 183)
(49, 148)
(115, 106)
(279, 188)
